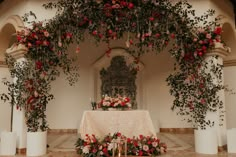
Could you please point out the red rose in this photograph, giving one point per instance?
(141, 136)
(118, 134)
(39, 64)
(218, 30)
(151, 18)
(19, 38)
(95, 32)
(105, 150)
(140, 153)
(131, 5)
(157, 35)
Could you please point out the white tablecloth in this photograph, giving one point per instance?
(129, 123)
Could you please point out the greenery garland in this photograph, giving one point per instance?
(150, 25)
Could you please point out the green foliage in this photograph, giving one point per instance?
(151, 25)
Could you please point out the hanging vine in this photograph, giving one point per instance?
(151, 25)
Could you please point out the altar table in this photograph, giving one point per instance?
(129, 123)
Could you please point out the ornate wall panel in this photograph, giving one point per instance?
(120, 79)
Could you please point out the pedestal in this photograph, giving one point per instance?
(36, 143)
(206, 141)
(8, 143)
(231, 140)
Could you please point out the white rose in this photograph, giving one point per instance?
(86, 149)
(154, 144)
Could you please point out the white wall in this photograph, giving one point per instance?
(229, 80)
(5, 108)
(157, 97)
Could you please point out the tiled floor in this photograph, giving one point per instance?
(179, 145)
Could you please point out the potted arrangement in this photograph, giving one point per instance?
(32, 77)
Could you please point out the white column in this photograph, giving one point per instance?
(18, 125)
(220, 126)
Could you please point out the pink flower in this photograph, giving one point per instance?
(208, 36)
(154, 144)
(60, 44)
(195, 39)
(77, 50)
(46, 34)
(145, 147)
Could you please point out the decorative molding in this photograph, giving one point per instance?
(17, 51)
(219, 50)
(177, 130)
(16, 21)
(62, 131)
(229, 63)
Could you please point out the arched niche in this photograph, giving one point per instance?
(105, 61)
(8, 34)
(229, 37)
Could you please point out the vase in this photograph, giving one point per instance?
(8, 143)
(206, 141)
(36, 143)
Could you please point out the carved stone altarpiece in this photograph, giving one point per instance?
(119, 78)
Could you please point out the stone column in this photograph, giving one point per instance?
(18, 124)
(220, 126)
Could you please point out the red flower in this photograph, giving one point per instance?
(128, 140)
(218, 30)
(38, 42)
(110, 31)
(172, 35)
(141, 136)
(123, 3)
(94, 32)
(105, 150)
(39, 64)
(200, 53)
(127, 100)
(46, 43)
(131, 5)
(19, 38)
(30, 100)
(151, 18)
(157, 35)
(140, 153)
(100, 35)
(69, 35)
(118, 134)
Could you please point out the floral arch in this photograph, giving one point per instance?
(150, 25)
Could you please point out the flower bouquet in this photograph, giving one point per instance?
(119, 102)
(136, 146)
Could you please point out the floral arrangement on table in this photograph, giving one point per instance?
(136, 146)
(118, 102)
